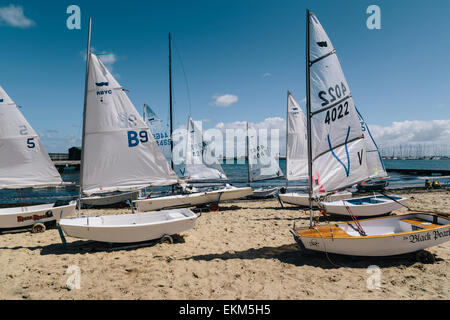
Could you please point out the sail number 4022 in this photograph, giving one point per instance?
(335, 93)
(337, 112)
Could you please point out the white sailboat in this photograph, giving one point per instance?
(297, 156)
(25, 164)
(120, 154)
(195, 170)
(200, 165)
(368, 206)
(262, 164)
(336, 158)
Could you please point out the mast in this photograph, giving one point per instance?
(308, 120)
(88, 58)
(248, 157)
(287, 138)
(170, 94)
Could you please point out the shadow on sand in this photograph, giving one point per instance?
(292, 255)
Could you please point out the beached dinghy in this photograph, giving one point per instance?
(365, 206)
(110, 199)
(120, 153)
(199, 166)
(383, 236)
(25, 164)
(297, 156)
(262, 164)
(386, 236)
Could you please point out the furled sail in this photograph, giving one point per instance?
(24, 163)
(119, 151)
(262, 164)
(159, 130)
(338, 147)
(297, 144)
(373, 155)
(200, 164)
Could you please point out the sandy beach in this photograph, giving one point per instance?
(242, 251)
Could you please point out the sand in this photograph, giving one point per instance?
(243, 251)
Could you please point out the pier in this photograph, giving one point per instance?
(422, 172)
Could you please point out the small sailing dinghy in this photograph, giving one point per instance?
(119, 153)
(262, 164)
(199, 166)
(297, 156)
(336, 154)
(368, 205)
(25, 164)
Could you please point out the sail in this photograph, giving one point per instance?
(262, 164)
(200, 163)
(373, 155)
(24, 163)
(159, 130)
(297, 144)
(119, 151)
(338, 147)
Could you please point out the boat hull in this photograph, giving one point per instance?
(189, 200)
(27, 216)
(365, 206)
(263, 193)
(396, 235)
(129, 228)
(302, 199)
(108, 200)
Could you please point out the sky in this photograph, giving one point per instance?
(233, 61)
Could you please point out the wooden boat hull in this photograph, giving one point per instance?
(25, 217)
(302, 199)
(386, 236)
(365, 206)
(108, 200)
(189, 200)
(129, 228)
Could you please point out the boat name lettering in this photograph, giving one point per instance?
(414, 238)
(314, 243)
(35, 217)
(441, 234)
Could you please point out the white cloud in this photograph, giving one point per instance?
(225, 100)
(14, 17)
(267, 74)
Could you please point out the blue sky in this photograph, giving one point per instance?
(252, 50)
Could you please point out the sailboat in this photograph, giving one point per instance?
(297, 156)
(374, 205)
(25, 164)
(119, 153)
(336, 159)
(195, 169)
(262, 164)
(199, 165)
(159, 130)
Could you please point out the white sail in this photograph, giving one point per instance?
(159, 130)
(338, 147)
(297, 142)
(119, 151)
(200, 164)
(262, 164)
(373, 155)
(24, 163)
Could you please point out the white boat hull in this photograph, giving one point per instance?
(189, 200)
(365, 206)
(110, 199)
(23, 217)
(129, 228)
(264, 192)
(302, 199)
(386, 236)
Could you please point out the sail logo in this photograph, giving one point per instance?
(102, 84)
(322, 44)
(103, 92)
